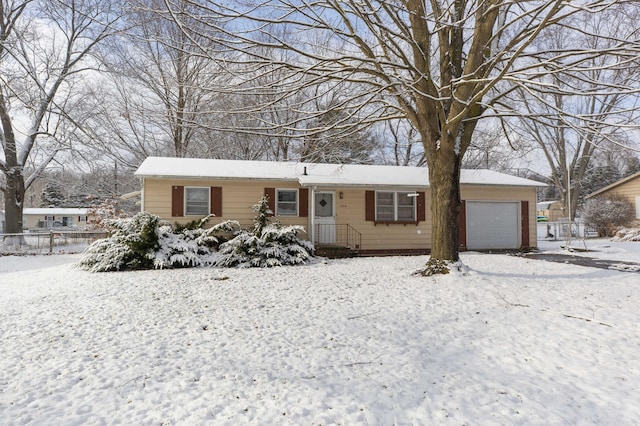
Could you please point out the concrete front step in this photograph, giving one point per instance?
(335, 252)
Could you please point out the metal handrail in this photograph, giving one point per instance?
(346, 235)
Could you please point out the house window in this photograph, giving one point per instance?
(286, 202)
(196, 201)
(395, 206)
(406, 210)
(385, 211)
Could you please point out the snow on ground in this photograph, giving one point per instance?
(357, 341)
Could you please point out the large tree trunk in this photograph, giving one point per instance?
(444, 180)
(443, 160)
(444, 153)
(13, 201)
(14, 187)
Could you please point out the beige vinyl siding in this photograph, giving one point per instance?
(351, 210)
(501, 193)
(629, 190)
(238, 199)
(31, 221)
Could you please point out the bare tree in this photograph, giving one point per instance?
(263, 117)
(444, 63)
(159, 95)
(45, 50)
(588, 103)
(491, 149)
(333, 134)
(403, 141)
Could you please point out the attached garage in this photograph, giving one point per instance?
(493, 225)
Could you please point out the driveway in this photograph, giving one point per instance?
(585, 261)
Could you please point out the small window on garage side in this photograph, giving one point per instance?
(196, 201)
(286, 202)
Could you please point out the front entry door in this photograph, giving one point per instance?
(325, 217)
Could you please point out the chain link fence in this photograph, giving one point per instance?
(48, 242)
(563, 229)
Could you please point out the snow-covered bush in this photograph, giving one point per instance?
(607, 213)
(266, 245)
(187, 246)
(130, 245)
(627, 234)
(145, 242)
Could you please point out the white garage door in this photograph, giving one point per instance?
(493, 225)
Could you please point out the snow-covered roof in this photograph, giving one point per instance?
(55, 211)
(543, 205)
(314, 174)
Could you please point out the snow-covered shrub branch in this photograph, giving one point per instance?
(146, 242)
(627, 234)
(267, 245)
(275, 246)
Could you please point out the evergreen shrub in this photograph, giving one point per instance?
(267, 245)
(146, 242)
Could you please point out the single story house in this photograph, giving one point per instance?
(551, 210)
(54, 218)
(369, 208)
(628, 188)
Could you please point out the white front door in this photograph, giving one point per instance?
(325, 217)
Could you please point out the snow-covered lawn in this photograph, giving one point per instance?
(358, 341)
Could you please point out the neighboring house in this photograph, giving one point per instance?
(628, 188)
(54, 218)
(1, 221)
(371, 209)
(552, 210)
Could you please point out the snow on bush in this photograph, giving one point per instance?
(627, 234)
(267, 245)
(607, 213)
(145, 242)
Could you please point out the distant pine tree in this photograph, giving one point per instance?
(598, 177)
(632, 166)
(53, 195)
